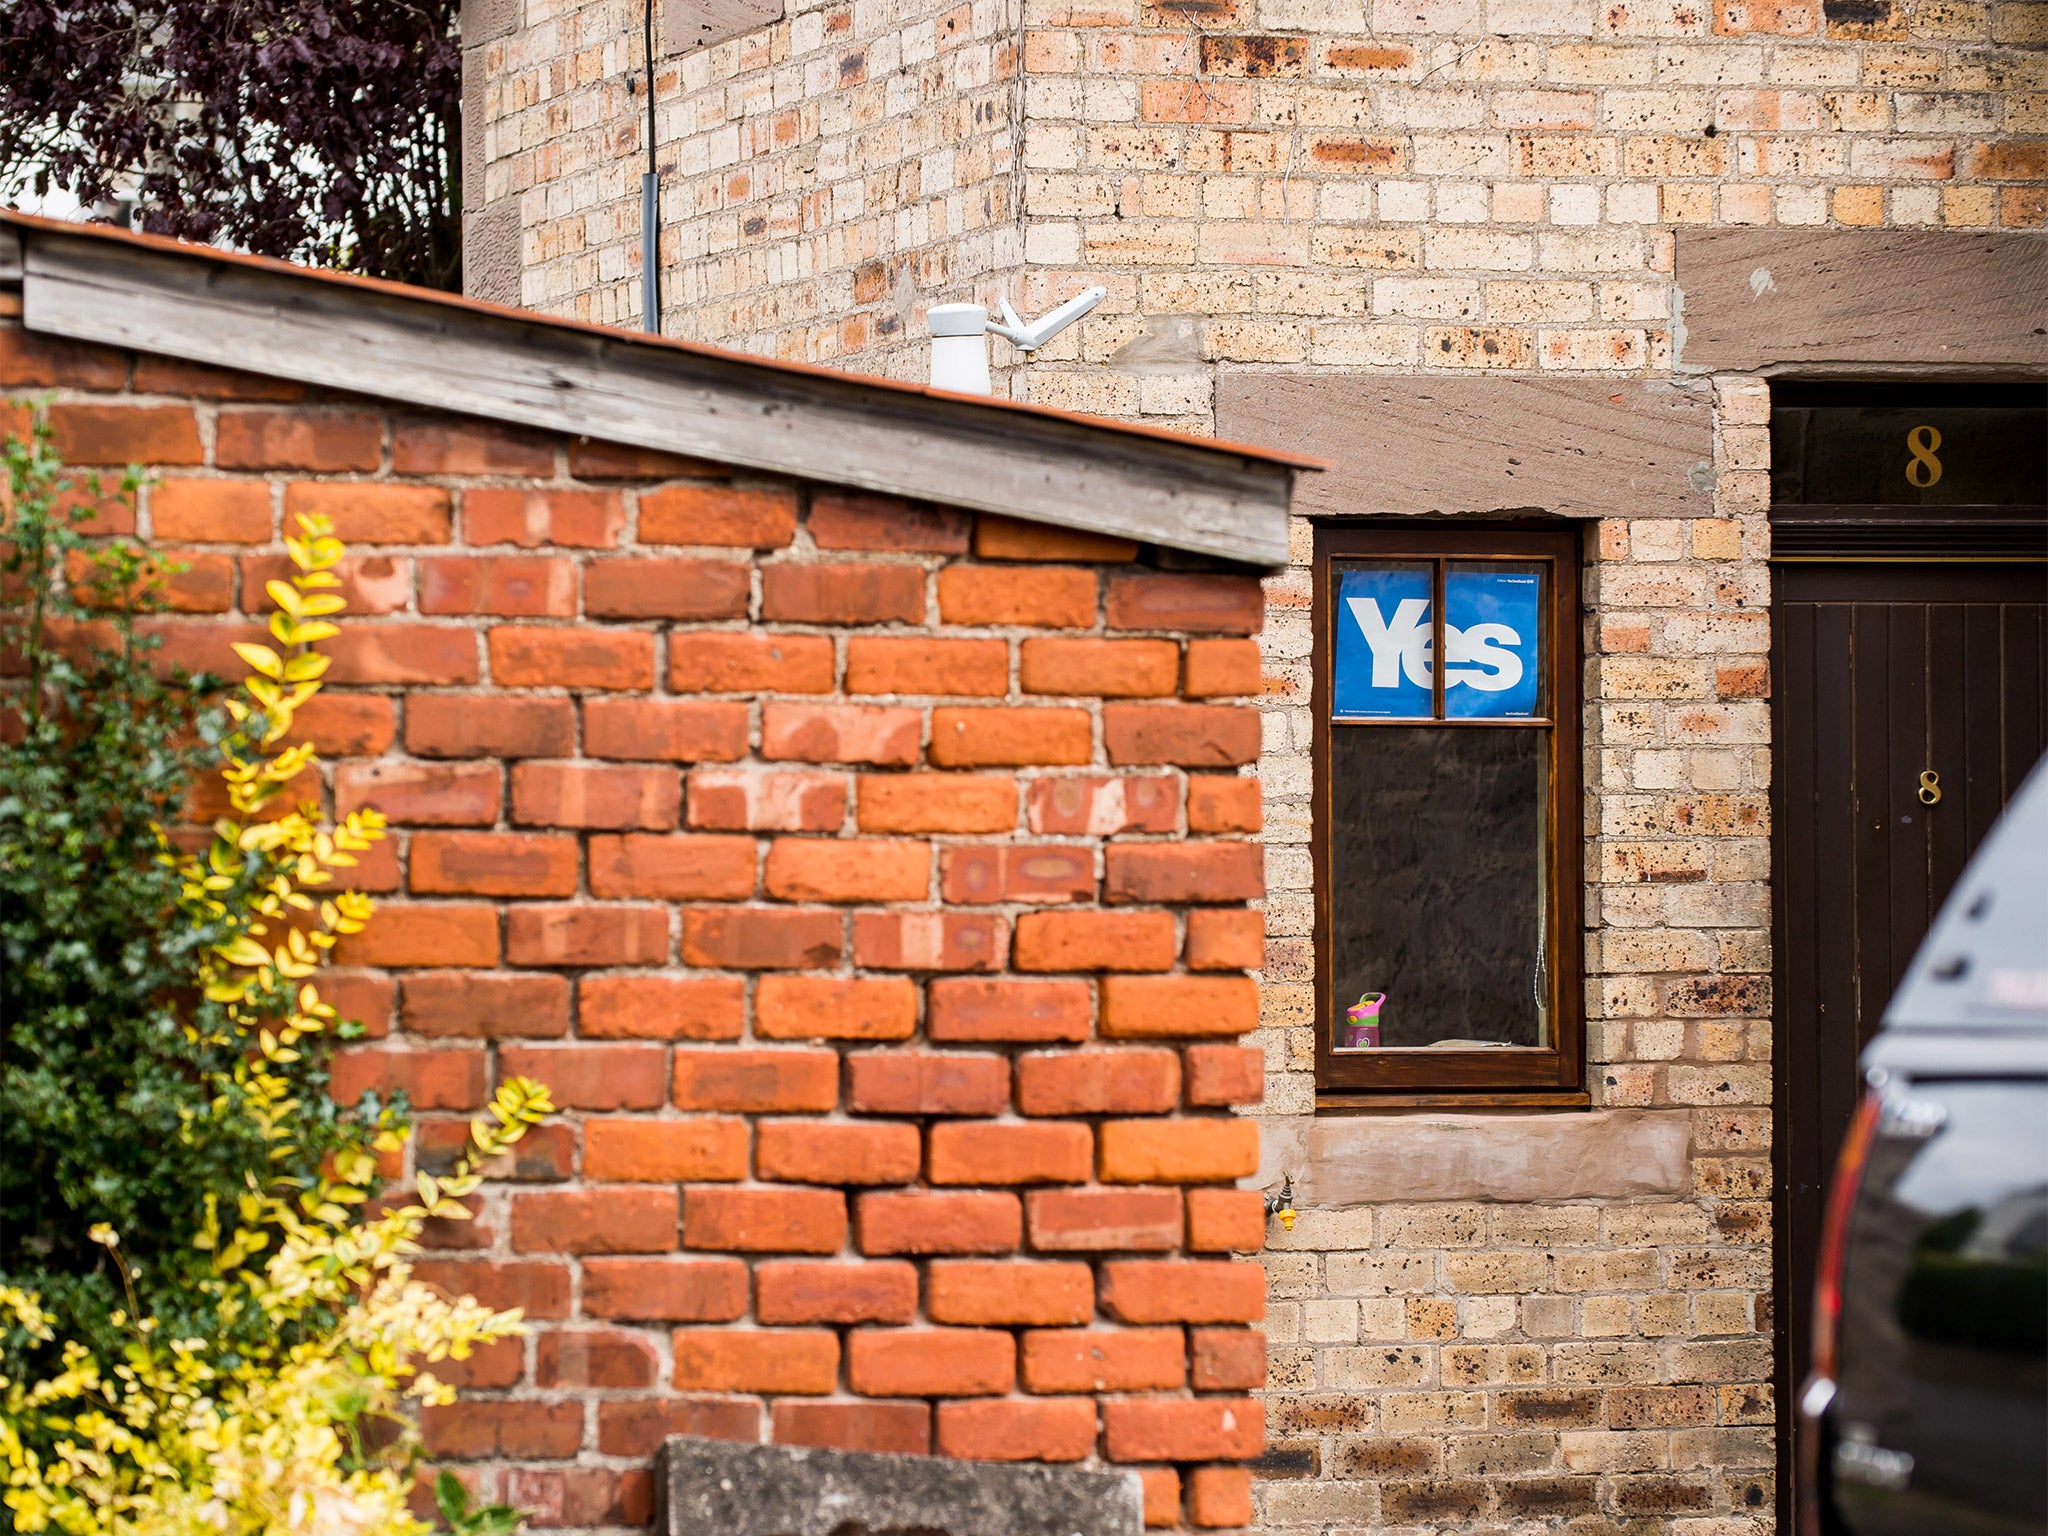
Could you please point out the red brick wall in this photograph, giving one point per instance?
(870, 885)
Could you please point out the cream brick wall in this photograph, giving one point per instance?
(1401, 186)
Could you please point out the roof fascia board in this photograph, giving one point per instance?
(816, 426)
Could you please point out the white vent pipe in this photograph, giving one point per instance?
(960, 335)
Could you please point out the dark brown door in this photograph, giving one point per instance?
(1909, 701)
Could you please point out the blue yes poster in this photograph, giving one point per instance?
(1386, 645)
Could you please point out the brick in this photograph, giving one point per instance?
(1049, 872)
(665, 1290)
(842, 594)
(1046, 1430)
(902, 1429)
(491, 863)
(805, 1152)
(732, 517)
(804, 1291)
(431, 446)
(1047, 596)
(586, 935)
(987, 738)
(760, 938)
(1096, 941)
(594, 1357)
(595, 1221)
(927, 1083)
(1198, 1151)
(970, 1152)
(1221, 669)
(592, 1077)
(1225, 1074)
(364, 997)
(442, 655)
(1033, 1011)
(1226, 1359)
(1152, 1006)
(346, 725)
(642, 588)
(462, 725)
(505, 586)
(545, 1155)
(756, 1082)
(1219, 803)
(1104, 1360)
(660, 1007)
(835, 1008)
(664, 1151)
(1170, 1291)
(211, 511)
(1130, 1082)
(1182, 873)
(37, 361)
(747, 800)
(595, 796)
(499, 1364)
(1110, 669)
(1009, 538)
(930, 1362)
(637, 1427)
(472, 1430)
(366, 512)
(428, 1079)
(539, 1289)
(1214, 605)
(1087, 1220)
(918, 665)
(592, 459)
(1184, 1429)
(1186, 735)
(797, 1360)
(842, 520)
(672, 867)
(583, 1496)
(424, 934)
(840, 733)
(571, 658)
(765, 1220)
(848, 870)
(1226, 941)
(323, 441)
(1161, 1487)
(923, 1221)
(665, 730)
(543, 518)
(1103, 807)
(125, 434)
(484, 1005)
(929, 941)
(725, 662)
(983, 1292)
(1220, 1496)
(369, 583)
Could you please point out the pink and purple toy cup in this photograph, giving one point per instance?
(1361, 1028)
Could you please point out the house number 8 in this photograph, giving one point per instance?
(1923, 469)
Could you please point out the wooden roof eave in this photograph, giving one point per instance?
(419, 349)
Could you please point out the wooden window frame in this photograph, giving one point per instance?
(1474, 1079)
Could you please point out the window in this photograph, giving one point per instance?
(1448, 818)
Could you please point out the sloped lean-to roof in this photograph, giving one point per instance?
(436, 350)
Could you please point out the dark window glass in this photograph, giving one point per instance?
(1437, 885)
(1960, 445)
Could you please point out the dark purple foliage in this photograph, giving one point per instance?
(323, 130)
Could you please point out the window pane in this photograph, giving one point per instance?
(1384, 643)
(1437, 892)
(1493, 632)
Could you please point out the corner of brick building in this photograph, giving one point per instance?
(870, 881)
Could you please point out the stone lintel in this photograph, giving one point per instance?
(1351, 1160)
